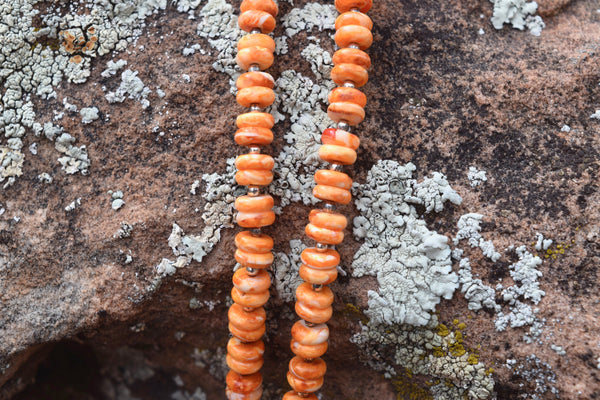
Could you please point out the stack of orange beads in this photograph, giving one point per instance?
(251, 282)
(319, 263)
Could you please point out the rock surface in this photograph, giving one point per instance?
(86, 314)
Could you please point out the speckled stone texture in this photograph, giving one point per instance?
(77, 322)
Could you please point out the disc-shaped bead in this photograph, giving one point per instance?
(254, 55)
(353, 18)
(253, 177)
(250, 242)
(333, 178)
(258, 40)
(256, 19)
(253, 136)
(349, 55)
(259, 95)
(318, 259)
(310, 335)
(247, 335)
(291, 395)
(254, 260)
(254, 161)
(246, 320)
(340, 137)
(308, 351)
(243, 383)
(317, 276)
(343, 6)
(251, 284)
(255, 395)
(255, 119)
(354, 34)
(254, 211)
(332, 194)
(347, 94)
(250, 300)
(352, 113)
(322, 298)
(254, 78)
(353, 73)
(337, 154)
(328, 220)
(245, 358)
(302, 385)
(304, 369)
(264, 5)
(323, 235)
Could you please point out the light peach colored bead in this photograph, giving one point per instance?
(343, 6)
(261, 96)
(255, 78)
(339, 137)
(353, 18)
(251, 284)
(264, 5)
(254, 260)
(256, 19)
(354, 34)
(337, 154)
(258, 40)
(317, 276)
(255, 119)
(260, 56)
(319, 259)
(304, 386)
(354, 73)
(291, 395)
(333, 178)
(332, 194)
(253, 136)
(247, 241)
(250, 300)
(347, 95)
(349, 55)
(352, 113)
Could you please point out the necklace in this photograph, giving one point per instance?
(319, 264)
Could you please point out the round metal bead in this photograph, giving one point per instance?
(252, 271)
(343, 125)
(349, 84)
(255, 150)
(253, 191)
(354, 46)
(329, 207)
(254, 107)
(336, 167)
(254, 67)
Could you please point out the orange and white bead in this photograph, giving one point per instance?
(253, 252)
(326, 227)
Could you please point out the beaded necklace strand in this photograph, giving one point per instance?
(319, 264)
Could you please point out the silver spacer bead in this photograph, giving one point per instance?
(349, 84)
(336, 167)
(258, 30)
(343, 125)
(255, 150)
(255, 107)
(302, 394)
(322, 246)
(255, 232)
(254, 67)
(317, 288)
(253, 191)
(354, 46)
(355, 9)
(251, 271)
(309, 324)
(329, 207)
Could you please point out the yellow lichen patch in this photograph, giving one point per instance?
(356, 312)
(473, 359)
(489, 371)
(409, 390)
(438, 352)
(455, 321)
(443, 330)
(461, 326)
(457, 349)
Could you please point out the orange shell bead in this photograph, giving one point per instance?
(339, 137)
(315, 258)
(255, 395)
(255, 119)
(255, 78)
(332, 194)
(353, 18)
(245, 358)
(259, 95)
(247, 335)
(354, 34)
(252, 284)
(356, 74)
(254, 211)
(256, 39)
(246, 320)
(328, 220)
(347, 95)
(260, 56)
(291, 395)
(252, 19)
(317, 276)
(250, 300)
(264, 5)
(351, 113)
(255, 220)
(254, 260)
(253, 136)
(243, 366)
(333, 178)
(337, 154)
(247, 241)
(254, 161)
(349, 55)
(314, 298)
(253, 177)
(322, 235)
(310, 335)
(303, 369)
(243, 383)
(304, 386)
(346, 5)
(308, 351)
